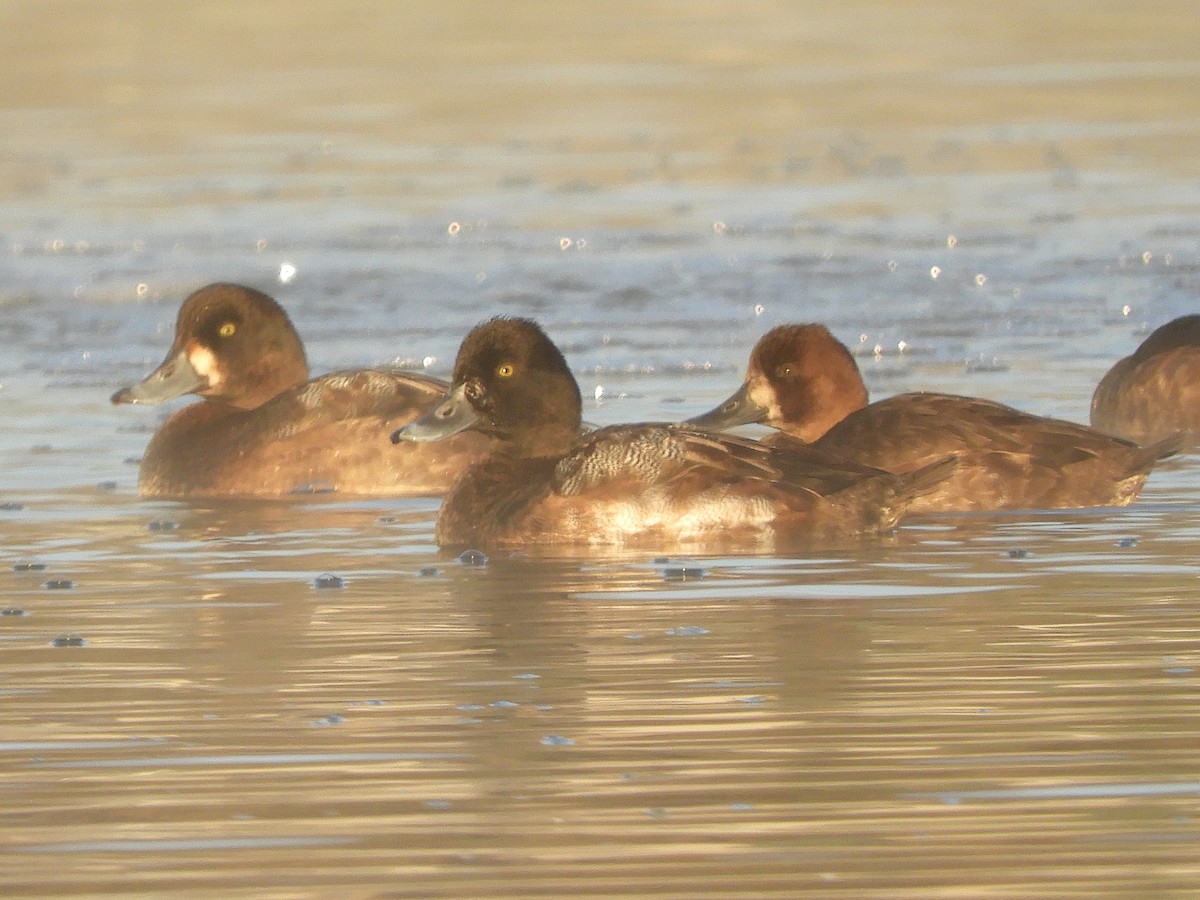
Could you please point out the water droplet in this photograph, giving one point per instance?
(599, 392)
(286, 273)
(682, 573)
(687, 631)
(472, 558)
(759, 309)
(934, 272)
(328, 581)
(1126, 309)
(25, 566)
(980, 280)
(143, 289)
(951, 241)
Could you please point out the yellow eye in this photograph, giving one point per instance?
(505, 371)
(227, 329)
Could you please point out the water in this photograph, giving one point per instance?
(997, 706)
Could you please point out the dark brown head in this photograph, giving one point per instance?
(512, 383)
(801, 380)
(233, 344)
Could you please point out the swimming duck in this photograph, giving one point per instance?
(803, 381)
(1155, 392)
(264, 429)
(546, 481)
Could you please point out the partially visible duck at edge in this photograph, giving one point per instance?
(804, 382)
(263, 429)
(548, 482)
(1155, 392)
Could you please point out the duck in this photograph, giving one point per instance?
(264, 429)
(1154, 392)
(549, 481)
(804, 382)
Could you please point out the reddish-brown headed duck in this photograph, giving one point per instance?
(1155, 392)
(803, 381)
(264, 429)
(549, 482)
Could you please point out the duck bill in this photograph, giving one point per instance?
(174, 378)
(739, 409)
(452, 415)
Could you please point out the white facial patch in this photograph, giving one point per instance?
(204, 361)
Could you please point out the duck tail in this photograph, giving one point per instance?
(1164, 448)
(901, 490)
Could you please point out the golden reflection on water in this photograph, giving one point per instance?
(977, 706)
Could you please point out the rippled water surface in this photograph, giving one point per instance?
(305, 698)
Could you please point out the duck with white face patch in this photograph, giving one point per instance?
(264, 429)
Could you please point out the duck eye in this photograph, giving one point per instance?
(784, 371)
(227, 329)
(505, 371)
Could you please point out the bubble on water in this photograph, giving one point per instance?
(286, 273)
(1017, 553)
(69, 640)
(11, 506)
(328, 581)
(162, 525)
(934, 272)
(902, 346)
(1168, 259)
(1127, 542)
(504, 704)
(142, 289)
(557, 740)
(980, 279)
(328, 721)
(581, 244)
(951, 241)
(682, 573)
(13, 611)
(1126, 309)
(564, 243)
(58, 584)
(429, 571)
(877, 350)
(599, 392)
(472, 558)
(759, 309)
(260, 245)
(1147, 257)
(453, 228)
(687, 631)
(892, 265)
(437, 804)
(28, 566)
(428, 361)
